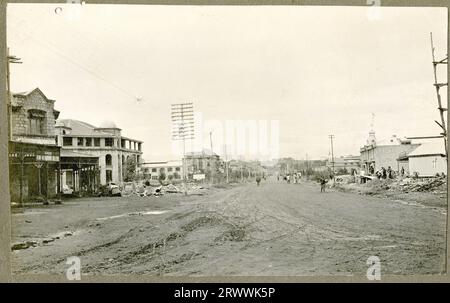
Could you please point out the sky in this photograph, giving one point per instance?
(304, 72)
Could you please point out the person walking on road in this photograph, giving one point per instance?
(258, 180)
(322, 184)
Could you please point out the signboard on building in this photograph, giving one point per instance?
(199, 177)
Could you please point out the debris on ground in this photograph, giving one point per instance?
(171, 189)
(23, 245)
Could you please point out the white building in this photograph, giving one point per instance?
(164, 171)
(428, 159)
(105, 143)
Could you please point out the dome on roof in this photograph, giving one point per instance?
(108, 124)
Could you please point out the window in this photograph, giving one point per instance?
(140, 146)
(109, 142)
(67, 141)
(88, 141)
(36, 122)
(177, 169)
(170, 169)
(97, 142)
(80, 142)
(108, 159)
(153, 170)
(162, 169)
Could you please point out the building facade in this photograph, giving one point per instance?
(163, 171)
(384, 153)
(33, 153)
(205, 163)
(428, 159)
(345, 164)
(106, 143)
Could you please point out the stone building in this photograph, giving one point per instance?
(33, 153)
(105, 143)
(205, 162)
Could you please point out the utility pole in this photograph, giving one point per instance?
(332, 152)
(226, 162)
(183, 129)
(213, 164)
(14, 60)
(307, 166)
(438, 85)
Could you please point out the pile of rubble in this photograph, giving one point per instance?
(146, 191)
(407, 185)
(413, 185)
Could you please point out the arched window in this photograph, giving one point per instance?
(108, 159)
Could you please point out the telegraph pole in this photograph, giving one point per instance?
(213, 164)
(183, 129)
(438, 85)
(14, 60)
(307, 165)
(332, 152)
(226, 162)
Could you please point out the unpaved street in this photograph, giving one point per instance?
(272, 229)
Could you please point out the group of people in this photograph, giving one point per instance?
(384, 173)
(294, 178)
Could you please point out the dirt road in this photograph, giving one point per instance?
(272, 229)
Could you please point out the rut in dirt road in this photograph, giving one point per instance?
(271, 229)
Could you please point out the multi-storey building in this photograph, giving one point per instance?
(105, 143)
(164, 171)
(33, 153)
(205, 162)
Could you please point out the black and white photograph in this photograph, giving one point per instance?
(227, 141)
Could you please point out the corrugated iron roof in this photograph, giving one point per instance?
(435, 147)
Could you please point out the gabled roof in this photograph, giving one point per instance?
(432, 148)
(24, 94)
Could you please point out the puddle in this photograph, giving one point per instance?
(142, 213)
(42, 241)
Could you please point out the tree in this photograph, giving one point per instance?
(130, 169)
(162, 176)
